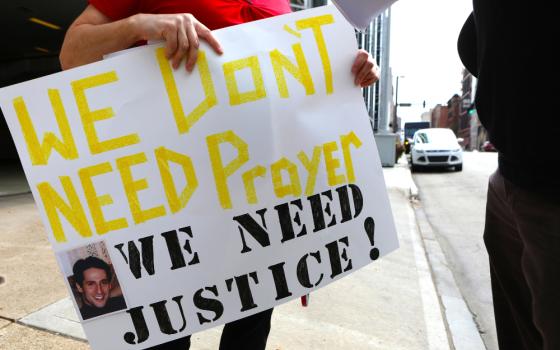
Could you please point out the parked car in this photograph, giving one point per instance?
(409, 129)
(436, 147)
(487, 146)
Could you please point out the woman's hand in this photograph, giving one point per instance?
(365, 69)
(93, 35)
(182, 34)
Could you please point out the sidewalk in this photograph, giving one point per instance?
(390, 304)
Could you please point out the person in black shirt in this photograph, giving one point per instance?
(93, 281)
(502, 44)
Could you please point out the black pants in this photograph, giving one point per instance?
(249, 333)
(522, 236)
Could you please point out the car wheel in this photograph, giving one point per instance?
(413, 167)
(459, 167)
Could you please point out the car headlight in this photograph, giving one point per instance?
(419, 151)
(456, 150)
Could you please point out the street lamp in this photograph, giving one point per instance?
(397, 104)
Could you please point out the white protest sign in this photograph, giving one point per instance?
(212, 195)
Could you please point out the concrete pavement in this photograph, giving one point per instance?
(404, 301)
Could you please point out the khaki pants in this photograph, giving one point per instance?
(522, 236)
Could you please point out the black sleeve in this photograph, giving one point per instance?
(466, 45)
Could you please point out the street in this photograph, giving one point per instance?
(454, 204)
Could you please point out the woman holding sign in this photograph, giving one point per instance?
(108, 26)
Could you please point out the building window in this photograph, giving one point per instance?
(305, 4)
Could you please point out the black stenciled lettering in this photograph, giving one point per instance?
(162, 315)
(344, 200)
(244, 289)
(358, 199)
(187, 247)
(286, 222)
(176, 251)
(303, 270)
(247, 223)
(140, 327)
(174, 248)
(335, 255)
(318, 211)
(208, 304)
(345, 207)
(133, 259)
(280, 282)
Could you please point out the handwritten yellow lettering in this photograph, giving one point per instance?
(185, 122)
(315, 23)
(164, 156)
(89, 117)
(332, 164)
(221, 172)
(132, 187)
(281, 189)
(249, 182)
(40, 153)
(346, 141)
(300, 72)
(72, 211)
(95, 201)
(312, 167)
(236, 97)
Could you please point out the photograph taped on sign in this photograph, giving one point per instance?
(92, 280)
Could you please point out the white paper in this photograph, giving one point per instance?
(360, 13)
(292, 143)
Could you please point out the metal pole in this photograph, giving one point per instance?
(385, 84)
(395, 117)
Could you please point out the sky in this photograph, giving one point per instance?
(424, 50)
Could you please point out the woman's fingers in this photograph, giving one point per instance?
(183, 45)
(192, 53)
(206, 34)
(170, 37)
(365, 69)
(182, 34)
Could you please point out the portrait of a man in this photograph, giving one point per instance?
(93, 281)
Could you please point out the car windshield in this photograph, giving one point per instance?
(437, 136)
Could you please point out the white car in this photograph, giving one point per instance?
(436, 147)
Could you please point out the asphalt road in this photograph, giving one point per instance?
(454, 203)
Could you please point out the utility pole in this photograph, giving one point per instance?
(396, 115)
(385, 83)
(396, 128)
(384, 137)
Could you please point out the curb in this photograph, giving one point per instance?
(13, 194)
(459, 320)
(413, 191)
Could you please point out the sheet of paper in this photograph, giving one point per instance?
(360, 13)
(210, 195)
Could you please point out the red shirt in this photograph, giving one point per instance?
(214, 14)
